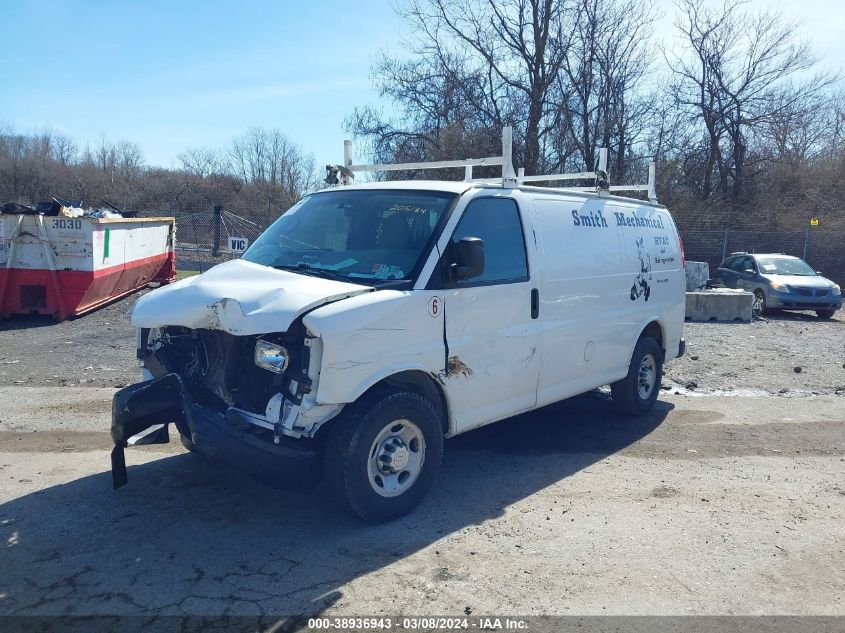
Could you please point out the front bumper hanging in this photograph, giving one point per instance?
(225, 437)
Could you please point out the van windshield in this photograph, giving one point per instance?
(359, 236)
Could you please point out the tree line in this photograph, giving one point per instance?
(734, 108)
(260, 174)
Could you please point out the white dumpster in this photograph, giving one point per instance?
(63, 266)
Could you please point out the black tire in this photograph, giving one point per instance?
(760, 297)
(351, 445)
(627, 395)
(825, 314)
(187, 443)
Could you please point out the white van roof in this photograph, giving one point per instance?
(451, 186)
(462, 186)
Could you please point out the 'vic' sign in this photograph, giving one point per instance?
(238, 244)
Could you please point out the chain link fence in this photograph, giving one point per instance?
(207, 237)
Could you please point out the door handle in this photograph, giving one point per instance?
(535, 303)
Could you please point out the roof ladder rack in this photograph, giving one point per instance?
(602, 185)
(345, 173)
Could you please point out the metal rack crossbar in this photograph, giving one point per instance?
(583, 175)
(509, 178)
(443, 164)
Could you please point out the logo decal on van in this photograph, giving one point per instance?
(634, 220)
(641, 287)
(594, 219)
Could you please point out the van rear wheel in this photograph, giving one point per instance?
(382, 455)
(825, 314)
(637, 392)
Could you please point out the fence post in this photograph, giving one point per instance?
(725, 242)
(806, 241)
(218, 220)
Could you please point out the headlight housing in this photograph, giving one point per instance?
(154, 339)
(149, 340)
(836, 289)
(271, 356)
(780, 287)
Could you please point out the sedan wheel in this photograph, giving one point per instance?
(759, 305)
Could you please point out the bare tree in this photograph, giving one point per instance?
(275, 167)
(609, 55)
(733, 77)
(798, 130)
(202, 162)
(25, 164)
(565, 74)
(478, 65)
(105, 157)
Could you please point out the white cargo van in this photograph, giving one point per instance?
(372, 321)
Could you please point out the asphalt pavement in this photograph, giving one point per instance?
(710, 505)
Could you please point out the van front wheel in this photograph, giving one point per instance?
(637, 392)
(383, 454)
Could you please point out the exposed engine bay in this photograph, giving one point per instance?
(220, 369)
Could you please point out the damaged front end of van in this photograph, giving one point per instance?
(236, 376)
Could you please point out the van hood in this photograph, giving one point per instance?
(240, 298)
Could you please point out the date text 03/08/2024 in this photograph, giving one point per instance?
(417, 623)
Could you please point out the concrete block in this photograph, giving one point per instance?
(724, 304)
(697, 275)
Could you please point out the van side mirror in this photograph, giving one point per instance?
(470, 255)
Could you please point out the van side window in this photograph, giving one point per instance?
(496, 221)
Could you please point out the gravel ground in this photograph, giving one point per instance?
(760, 358)
(95, 350)
(787, 354)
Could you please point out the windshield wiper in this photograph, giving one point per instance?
(314, 271)
(392, 283)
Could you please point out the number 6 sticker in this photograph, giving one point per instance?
(435, 306)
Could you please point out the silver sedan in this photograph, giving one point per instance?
(781, 282)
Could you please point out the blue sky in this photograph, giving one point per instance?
(173, 74)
